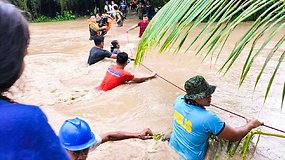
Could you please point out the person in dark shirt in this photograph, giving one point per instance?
(149, 10)
(124, 7)
(97, 53)
(141, 10)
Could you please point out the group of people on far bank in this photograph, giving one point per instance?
(100, 24)
(26, 134)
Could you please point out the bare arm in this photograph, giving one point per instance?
(142, 79)
(133, 27)
(110, 17)
(119, 18)
(114, 56)
(119, 135)
(102, 28)
(235, 134)
(96, 28)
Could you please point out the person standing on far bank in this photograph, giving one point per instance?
(119, 17)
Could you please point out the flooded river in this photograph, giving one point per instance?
(58, 79)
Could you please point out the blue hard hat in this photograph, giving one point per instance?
(75, 135)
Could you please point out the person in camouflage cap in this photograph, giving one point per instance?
(197, 88)
(193, 124)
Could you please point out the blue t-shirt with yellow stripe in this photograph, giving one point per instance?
(192, 127)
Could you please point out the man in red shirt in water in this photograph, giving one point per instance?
(116, 74)
(142, 24)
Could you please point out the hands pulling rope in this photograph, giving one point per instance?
(236, 114)
(211, 104)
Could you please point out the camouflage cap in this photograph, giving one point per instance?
(197, 88)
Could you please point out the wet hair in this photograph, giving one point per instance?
(98, 40)
(122, 58)
(14, 40)
(114, 44)
(145, 15)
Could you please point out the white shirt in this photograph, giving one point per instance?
(96, 144)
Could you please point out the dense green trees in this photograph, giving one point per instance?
(52, 8)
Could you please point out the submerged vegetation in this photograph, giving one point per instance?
(219, 146)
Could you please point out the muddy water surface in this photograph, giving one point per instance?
(58, 79)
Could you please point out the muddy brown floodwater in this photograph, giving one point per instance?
(58, 79)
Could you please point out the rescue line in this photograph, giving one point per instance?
(233, 113)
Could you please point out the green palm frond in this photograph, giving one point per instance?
(174, 24)
(283, 95)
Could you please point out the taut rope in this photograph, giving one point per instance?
(236, 114)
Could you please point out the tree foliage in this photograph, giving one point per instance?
(51, 8)
(175, 22)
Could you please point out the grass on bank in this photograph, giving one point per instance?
(67, 15)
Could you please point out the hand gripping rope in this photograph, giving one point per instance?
(211, 104)
(236, 114)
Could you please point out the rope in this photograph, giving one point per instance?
(229, 111)
(236, 114)
(127, 34)
(211, 104)
(164, 78)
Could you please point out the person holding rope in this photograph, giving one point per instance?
(115, 47)
(193, 124)
(78, 139)
(141, 24)
(116, 75)
(97, 53)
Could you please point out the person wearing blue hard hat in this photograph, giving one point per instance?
(78, 139)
